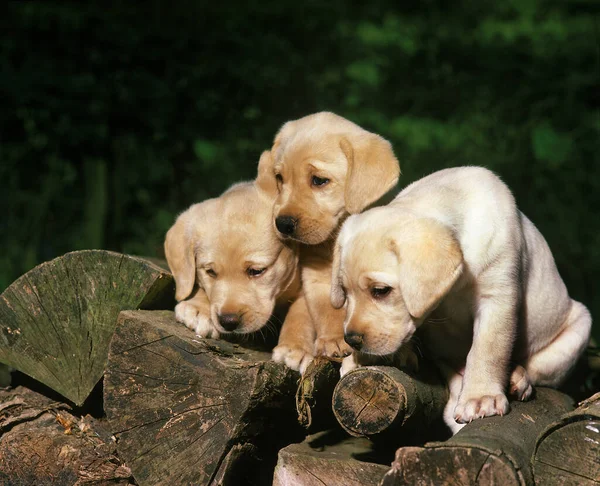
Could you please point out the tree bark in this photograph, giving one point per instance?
(42, 444)
(492, 450)
(568, 450)
(320, 462)
(187, 410)
(56, 321)
(314, 394)
(374, 399)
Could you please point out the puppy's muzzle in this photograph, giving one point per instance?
(354, 339)
(229, 322)
(286, 225)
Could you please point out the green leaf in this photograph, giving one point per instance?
(550, 146)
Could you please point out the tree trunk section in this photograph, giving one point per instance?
(314, 394)
(187, 410)
(42, 444)
(568, 451)
(374, 399)
(57, 320)
(492, 450)
(320, 462)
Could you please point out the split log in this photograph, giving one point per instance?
(42, 444)
(318, 462)
(568, 451)
(315, 392)
(57, 320)
(187, 410)
(492, 450)
(371, 400)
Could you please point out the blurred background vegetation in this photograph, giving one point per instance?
(116, 115)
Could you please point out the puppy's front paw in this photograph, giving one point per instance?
(332, 347)
(349, 363)
(196, 320)
(296, 358)
(485, 406)
(520, 385)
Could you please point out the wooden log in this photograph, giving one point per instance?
(371, 400)
(493, 450)
(315, 392)
(57, 320)
(187, 410)
(317, 461)
(567, 452)
(43, 444)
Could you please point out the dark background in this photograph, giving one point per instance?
(116, 115)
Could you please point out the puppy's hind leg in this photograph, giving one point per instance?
(551, 365)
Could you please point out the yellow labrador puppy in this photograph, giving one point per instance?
(326, 168)
(453, 257)
(230, 267)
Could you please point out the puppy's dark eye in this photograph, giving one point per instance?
(380, 292)
(255, 272)
(319, 181)
(211, 273)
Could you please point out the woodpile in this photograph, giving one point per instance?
(117, 392)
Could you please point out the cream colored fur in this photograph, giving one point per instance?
(453, 259)
(214, 246)
(359, 167)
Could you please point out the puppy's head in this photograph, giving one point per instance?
(326, 167)
(391, 274)
(227, 246)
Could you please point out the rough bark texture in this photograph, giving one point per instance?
(370, 400)
(314, 395)
(56, 321)
(187, 410)
(493, 450)
(318, 461)
(568, 451)
(42, 444)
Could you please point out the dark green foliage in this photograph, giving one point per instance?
(117, 115)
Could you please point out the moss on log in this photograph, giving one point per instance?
(315, 392)
(187, 410)
(43, 444)
(374, 399)
(318, 461)
(568, 451)
(57, 320)
(492, 450)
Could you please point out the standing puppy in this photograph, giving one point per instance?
(326, 168)
(230, 267)
(453, 258)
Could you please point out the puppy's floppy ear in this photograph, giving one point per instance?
(430, 262)
(265, 179)
(372, 169)
(179, 250)
(338, 296)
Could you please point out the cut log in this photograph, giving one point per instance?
(568, 451)
(187, 410)
(315, 392)
(318, 461)
(371, 400)
(57, 320)
(492, 450)
(42, 444)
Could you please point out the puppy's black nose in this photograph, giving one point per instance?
(286, 225)
(230, 322)
(354, 339)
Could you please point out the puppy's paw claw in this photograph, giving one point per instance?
(485, 406)
(195, 320)
(332, 347)
(295, 358)
(348, 364)
(520, 385)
